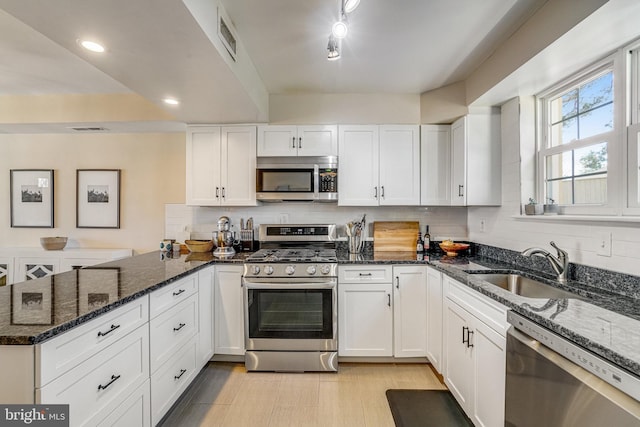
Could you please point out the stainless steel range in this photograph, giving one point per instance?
(290, 299)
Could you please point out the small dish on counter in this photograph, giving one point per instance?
(53, 243)
(451, 248)
(199, 245)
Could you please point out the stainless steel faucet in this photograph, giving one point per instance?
(560, 264)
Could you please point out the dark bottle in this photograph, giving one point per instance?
(427, 239)
(419, 244)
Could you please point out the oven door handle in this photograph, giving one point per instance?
(288, 285)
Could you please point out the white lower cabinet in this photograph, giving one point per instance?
(135, 411)
(410, 311)
(229, 311)
(475, 353)
(206, 282)
(435, 321)
(171, 379)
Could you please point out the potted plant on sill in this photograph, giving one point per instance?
(533, 208)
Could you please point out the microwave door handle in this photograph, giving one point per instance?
(316, 181)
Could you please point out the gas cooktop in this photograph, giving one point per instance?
(289, 255)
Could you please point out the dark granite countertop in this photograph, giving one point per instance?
(36, 310)
(600, 320)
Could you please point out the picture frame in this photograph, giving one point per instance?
(31, 198)
(97, 287)
(32, 303)
(98, 198)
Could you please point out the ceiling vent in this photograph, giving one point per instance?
(89, 129)
(227, 33)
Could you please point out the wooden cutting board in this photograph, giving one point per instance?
(395, 235)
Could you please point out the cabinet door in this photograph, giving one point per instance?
(435, 165)
(206, 280)
(458, 372)
(365, 319)
(229, 311)
(489, 376)
(410, 311)
(358, 170)
(459, 162)
(30, 268)
(277, 141)
(434, 318)
(238, 166)
(321, 140)
(203, 172)
(6, 271)
(399, 165)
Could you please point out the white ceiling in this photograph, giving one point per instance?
(156, 48)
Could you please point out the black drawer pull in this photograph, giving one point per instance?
(180, 326)
(464, 329)
(104, 334)
(365, 274)
(175, 294)
(469, 333)
(177, 377)
(113, 379)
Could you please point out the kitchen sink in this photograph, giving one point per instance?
(524, 286)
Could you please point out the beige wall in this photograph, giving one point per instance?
(344, 109)
(443, 105)
(152, 174)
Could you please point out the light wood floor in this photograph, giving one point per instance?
(224, 394)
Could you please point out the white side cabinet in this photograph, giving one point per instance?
(206, 286)
(379, 165)
(229, 310)
(410, 311)
(221, 166)
(282, 140)
(435, 165)
(475, 352)
(365, 311)
(476, 160)
(434, 318)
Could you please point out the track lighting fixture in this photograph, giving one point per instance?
(332, 47)
(340, 29)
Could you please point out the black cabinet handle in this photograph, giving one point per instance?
(175, 294)
(177, 377)
(300, 142)
(389, 300)
(113, 328)
(180, 326)
(375, 192)
(114, 378)
(224, 192)
(461, 190)
(397, 282)
(469, 333)
(364, 274)
(464, 329)
(217, 192)
(293, 145)
(382, 193)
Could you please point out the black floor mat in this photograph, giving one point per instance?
(426, 408)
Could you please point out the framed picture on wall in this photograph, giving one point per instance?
(98, 198)
(31, 198)
(32, 304)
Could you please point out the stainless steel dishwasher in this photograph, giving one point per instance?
(554, 382)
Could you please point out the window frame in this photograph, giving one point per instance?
(615, 141)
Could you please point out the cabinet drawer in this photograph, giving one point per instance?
(105, 378)
(491, 312)
(365, 274)
(170, 330)
(171, 380)
(60, 354)
(135, 410)
(166, 297)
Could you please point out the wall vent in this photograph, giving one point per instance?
(227, 33)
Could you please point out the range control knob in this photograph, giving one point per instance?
(290, 269)
(268, 270)
(325, 269)
(255, 269)
(311, 270)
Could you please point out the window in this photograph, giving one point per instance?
(578, 134)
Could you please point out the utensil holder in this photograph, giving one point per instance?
(355, 244)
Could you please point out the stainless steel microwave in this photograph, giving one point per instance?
(283, 179)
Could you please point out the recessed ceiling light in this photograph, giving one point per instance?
(92, 46)
(171, 101)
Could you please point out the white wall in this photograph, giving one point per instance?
(579, 239)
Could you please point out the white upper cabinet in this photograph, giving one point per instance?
(379, 165)
(281, 140)
(476, 160)
(435, 165)
(221, 166)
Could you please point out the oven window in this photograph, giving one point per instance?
(289, 180)
(290, 313)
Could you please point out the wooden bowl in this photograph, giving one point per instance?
(452, 249)
(53, 243)
(199, 245)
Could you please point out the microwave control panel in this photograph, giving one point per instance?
(328, 180)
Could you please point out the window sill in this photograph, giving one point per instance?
(577, 218)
